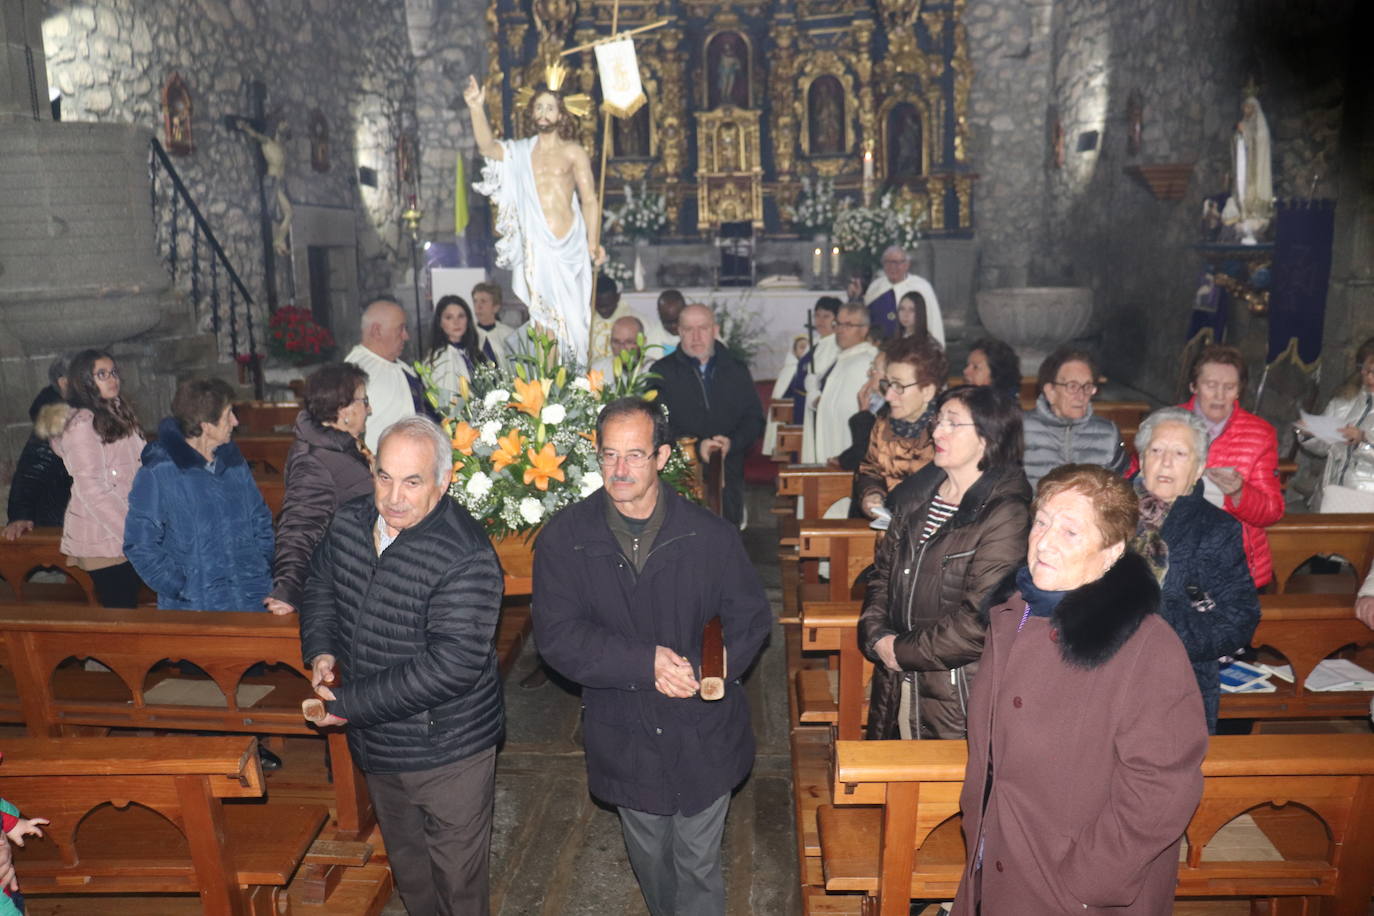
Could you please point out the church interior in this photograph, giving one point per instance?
(185, 184)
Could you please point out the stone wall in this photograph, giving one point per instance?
(351, 59)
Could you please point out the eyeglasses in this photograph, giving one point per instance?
(635, 459)
(1077, 388)
(850, 324)
(104, 375)
(947, 423)
(362, 400)
(886, 383)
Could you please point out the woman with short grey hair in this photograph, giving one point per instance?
(1194, 549)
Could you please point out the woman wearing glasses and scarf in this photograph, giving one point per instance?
(959, 526)
(900, 443)
(1061, 428)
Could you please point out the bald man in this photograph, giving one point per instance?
(625, 333)
(710, 396)
(393, 388)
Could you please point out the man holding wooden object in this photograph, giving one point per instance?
(398, 624)
(626, 584)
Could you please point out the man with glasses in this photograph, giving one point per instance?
(838, 395)
(1061, 427)
(710, 396)
(888, 288)
(625, 582)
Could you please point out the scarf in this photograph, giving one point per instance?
(912, 429)
(1148, 542)
(1039, 603)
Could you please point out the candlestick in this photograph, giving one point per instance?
(835, 261)
(816, 263)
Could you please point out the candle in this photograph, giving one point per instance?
(868, 165)
(835, 261)
(816, 262)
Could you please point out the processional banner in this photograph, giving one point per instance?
(1302, 273)
(622, 93)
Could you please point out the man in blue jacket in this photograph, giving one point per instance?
(402, 601)
(624, 584)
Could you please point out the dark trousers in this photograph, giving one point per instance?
(732, 499)
(677, 859)
(117, 586)
(437, 828)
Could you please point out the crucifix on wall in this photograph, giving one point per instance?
(270, 157)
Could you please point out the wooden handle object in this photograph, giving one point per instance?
(313, 710)
(712, 677)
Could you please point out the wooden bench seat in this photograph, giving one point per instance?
(1297, 538)
(266, 417)
(813, 489)
(238, 858)
(918, 783)
(41, 549)
(788, 445)
(265, 452)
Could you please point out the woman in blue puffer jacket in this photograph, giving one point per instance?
(198, 531)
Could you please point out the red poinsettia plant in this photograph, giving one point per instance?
(294, 336)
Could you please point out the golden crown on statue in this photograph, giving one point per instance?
(578, 104)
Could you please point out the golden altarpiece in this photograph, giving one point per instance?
(746, 98)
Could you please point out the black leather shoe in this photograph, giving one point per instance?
(269, 760)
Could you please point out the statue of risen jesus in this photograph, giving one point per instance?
(548, 218)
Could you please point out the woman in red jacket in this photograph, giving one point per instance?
(1242, 464)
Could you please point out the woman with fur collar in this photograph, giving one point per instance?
(1086, 730)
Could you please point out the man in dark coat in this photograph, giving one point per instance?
(402, 599)
(710, 395)
(624, 584)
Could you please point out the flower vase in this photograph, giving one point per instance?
(639, 269)
(516, 553)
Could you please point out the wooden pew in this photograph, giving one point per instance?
(813, 489)
(911, 846)
(266, 418)
(788, 447)
(42, 548)
(238, 858)
(780, 410)
(264, 451)
(1295, 539)
(131, 643)
(1301, 630)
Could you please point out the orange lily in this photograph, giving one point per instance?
(596, 379)
(507, 450)
(544, 466)
(529, 396)
(463, 437)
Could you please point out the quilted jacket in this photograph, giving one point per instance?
(201, 537)
(413, 632)
(41, 485)
(1052, 440)
(102, 476)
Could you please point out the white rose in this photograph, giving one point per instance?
(531, 510)
(591, 482)
(479, 485)
(553, 414)
(582, 383)
(495, 397)
(489, 432)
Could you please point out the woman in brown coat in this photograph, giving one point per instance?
(958, 527)
(1086, 731)
(327, 466)
(914, 371)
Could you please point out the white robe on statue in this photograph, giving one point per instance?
(839, 399)
(824, 352)
(552, 276)
(882, 286)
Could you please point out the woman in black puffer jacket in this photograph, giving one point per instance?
(326, 467)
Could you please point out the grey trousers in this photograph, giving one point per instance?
(437, 828)
(677, 859)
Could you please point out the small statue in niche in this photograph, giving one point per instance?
(176, 116)
(319, 141)
(827, 117)
(631, 135)
(904, 144)
(1251, 206)
(274, 158)
(727, 70)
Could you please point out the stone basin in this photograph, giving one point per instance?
(1035, 319)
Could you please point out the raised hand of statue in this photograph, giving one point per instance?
(474, 94)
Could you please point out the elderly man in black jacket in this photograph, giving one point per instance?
(710, 395)
(624, 584)
(401, 604)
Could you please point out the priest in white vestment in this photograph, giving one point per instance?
(839, 386)
(888, 288)
(819, 360)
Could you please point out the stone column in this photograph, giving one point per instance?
(23, 65)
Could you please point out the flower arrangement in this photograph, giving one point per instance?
(815, 213)
(641, 218)
(294, 336)
(623, 275)
(863, 233)
(741, 329)
(524, 440)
